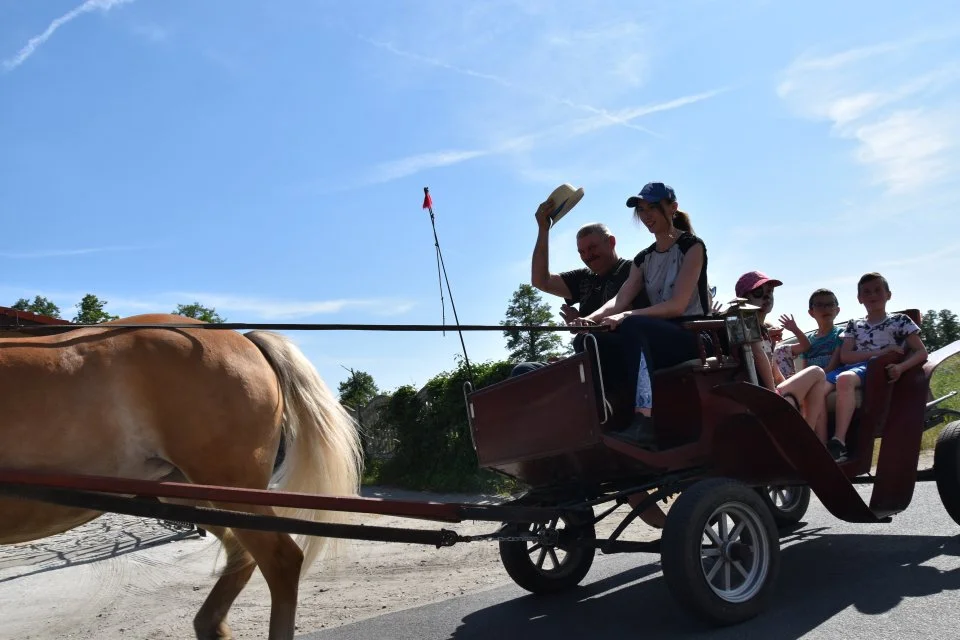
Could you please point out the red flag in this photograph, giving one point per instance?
(427, 200)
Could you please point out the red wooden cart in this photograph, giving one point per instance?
(742, 460)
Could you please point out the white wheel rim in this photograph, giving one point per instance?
(785, 499)
(735, 552)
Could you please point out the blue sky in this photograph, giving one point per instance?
(268, 158)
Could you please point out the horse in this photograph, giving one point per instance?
(187, 405)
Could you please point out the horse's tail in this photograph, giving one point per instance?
(322, 447)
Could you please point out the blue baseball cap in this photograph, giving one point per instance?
(652, 192)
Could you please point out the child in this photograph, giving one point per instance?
(825, 341)
(875, 335)
(806, 389)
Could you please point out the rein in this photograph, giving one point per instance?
(235, 326)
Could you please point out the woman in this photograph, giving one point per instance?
(673, 272)
(806, 390)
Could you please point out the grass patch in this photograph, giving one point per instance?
(945, 379)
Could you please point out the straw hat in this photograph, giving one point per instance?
(565, 197)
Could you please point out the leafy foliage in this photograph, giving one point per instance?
(434, 449)
(357, 390)
(90, 310)
(197, 311)
(40, 305)
(527, 308)
(939, 328)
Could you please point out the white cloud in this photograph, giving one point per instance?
(62, 253)
(264, 308)
(895, 101)
(35, 42)
(411, 165)
(628, 69)
(414, 164)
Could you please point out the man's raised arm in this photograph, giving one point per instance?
(540, 275)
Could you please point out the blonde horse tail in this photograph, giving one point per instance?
(322, 444)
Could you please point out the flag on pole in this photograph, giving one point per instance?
(427, 200)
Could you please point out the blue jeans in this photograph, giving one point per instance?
(652, 344)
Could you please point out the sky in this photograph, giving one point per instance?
(268, 159)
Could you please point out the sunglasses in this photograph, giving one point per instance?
(759, 292)
(823, 305)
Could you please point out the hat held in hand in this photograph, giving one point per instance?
(565, 198)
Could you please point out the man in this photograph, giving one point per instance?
(589, 287)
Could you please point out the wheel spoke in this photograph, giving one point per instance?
(726, 575)
(723, 527)
(713, 536)
(553, 558)
(541, 558)
(713, 571)
(737, 530)
(536, 546)
(739, 567)
(710, 552)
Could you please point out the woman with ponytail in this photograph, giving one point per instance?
(673, 272)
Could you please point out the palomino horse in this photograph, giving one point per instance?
(190, 405)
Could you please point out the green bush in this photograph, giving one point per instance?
(434, 449)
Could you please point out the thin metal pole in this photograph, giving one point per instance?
(443, 267)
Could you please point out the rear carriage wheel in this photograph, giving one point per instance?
(550, 568)
(788, 504)
(946, 469)
(720, 551)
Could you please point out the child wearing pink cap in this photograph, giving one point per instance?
(806, 390)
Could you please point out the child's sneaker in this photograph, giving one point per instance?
(837, 449)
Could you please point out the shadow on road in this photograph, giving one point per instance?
(106, 537)
(820, 576)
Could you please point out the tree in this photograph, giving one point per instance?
(358, 390)
(928, 331)
(527, 308)
(40, 305)
(948, 327)
(199, 312)
(90, 311)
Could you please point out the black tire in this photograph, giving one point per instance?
(946, 469)
(788, 504)
(544, 570)
(730, 582)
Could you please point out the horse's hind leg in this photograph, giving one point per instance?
(210, 622)
(280, 560)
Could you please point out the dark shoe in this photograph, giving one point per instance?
(837, 449)
(639, 432)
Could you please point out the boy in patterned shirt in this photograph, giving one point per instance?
(875, 335)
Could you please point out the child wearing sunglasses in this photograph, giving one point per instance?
(805, 390)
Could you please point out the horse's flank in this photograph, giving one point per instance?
(204, 406)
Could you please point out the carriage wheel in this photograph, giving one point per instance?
(720, 551)
(946, 469)
(788, 504)
(543, 569)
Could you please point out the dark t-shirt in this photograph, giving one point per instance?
(591, 290)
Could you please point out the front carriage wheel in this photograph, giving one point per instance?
(544, 569)
(788, 504)
(946, 469)
(720, 551)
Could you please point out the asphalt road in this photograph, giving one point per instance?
(837, 580)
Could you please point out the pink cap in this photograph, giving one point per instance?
(751, 280)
